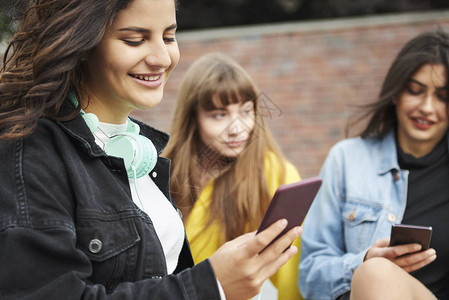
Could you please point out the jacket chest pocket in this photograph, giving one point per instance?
(360, 224)
(108, 243)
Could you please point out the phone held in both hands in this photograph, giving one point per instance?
(408, 234)
(291, 202)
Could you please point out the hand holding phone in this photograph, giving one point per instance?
(408, 234)
(292, 202)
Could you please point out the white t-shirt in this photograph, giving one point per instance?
(149, 198)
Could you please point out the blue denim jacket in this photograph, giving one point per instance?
(363, 193)
(69, 228)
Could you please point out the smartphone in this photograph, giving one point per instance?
(292, 202)
(408, 234)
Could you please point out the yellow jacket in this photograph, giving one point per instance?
(204, 242)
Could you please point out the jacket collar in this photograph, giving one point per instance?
(388, 153)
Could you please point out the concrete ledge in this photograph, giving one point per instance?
(314, 26)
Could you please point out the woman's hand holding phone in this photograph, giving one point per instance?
(407, 256)
(240, 267)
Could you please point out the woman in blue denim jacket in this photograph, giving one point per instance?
(395, 172)
(85, 210)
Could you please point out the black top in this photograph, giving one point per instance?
(428, 205)
(70, 230)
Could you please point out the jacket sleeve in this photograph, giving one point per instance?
(39, 256)
(325, 270)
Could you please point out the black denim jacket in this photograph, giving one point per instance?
(70, 230)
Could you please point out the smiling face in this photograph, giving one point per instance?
(130, 66)
(227, 129)
(422, 110)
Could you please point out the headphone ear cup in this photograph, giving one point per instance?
(148, 156)
(137, 151)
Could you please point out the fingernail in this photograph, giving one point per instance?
(282, 223)
(293, 250)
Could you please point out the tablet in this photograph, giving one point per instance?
(292, 202)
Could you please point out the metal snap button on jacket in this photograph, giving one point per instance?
(391, 218)
(352, 216)
(396, 176)
(95, 246)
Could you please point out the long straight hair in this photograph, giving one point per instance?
(430, 47)
(240, 192)
(45, 57)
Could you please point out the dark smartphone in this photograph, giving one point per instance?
(292, 202)
(408, 234)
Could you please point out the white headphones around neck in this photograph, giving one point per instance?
(137, 151)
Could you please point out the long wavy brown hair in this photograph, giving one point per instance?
(430, 47)
(45, 58)
(240, 193)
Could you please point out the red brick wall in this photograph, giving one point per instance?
(312, 71)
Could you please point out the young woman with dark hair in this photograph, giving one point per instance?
(395, 172)
(85, 209)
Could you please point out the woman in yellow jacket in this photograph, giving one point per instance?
(226, 164)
